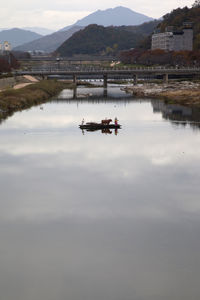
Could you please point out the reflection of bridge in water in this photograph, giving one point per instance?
(95, 94)
(105, 95)
(77, 96)
(106, 74)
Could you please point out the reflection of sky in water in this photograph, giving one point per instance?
(98, 216)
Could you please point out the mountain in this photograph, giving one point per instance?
(18, 36)
(50, 42)
(143, 29)
(40, 30)
(117, 16)
(97, 40)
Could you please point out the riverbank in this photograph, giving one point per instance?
(185, 92)
(13, 100)
(16, 82)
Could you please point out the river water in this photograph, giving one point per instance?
(100, 216)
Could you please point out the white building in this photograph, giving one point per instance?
(174, 40)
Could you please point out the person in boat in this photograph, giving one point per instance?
(82, 123)
(116, 121)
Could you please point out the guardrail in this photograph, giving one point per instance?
(106, 70)
(104, 73)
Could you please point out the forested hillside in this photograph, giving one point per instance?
(180, 15)
(161, 57)
(99, 40)
(176, 18)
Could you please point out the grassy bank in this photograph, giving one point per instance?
(185, 97)
(12, 100)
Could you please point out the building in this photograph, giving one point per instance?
(5, 46)
(172, 40)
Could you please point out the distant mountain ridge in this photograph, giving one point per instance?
(114, 16)
(18, 36)
(49, 43)
(117, 16)
(39, 30)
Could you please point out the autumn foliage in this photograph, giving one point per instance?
(8, 62)
(160, 57)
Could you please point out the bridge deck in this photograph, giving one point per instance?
(140, 71)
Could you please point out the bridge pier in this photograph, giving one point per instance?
(75, 92)
(166, 78)
(44, 77)
(74, 79)
(105, 81)
(135, 79)
(105, 93)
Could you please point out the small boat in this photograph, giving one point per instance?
(96, 126)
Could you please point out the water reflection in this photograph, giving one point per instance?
(94, 93)
(105, 126)
(103, 131)
(95, 216)
(180, 115)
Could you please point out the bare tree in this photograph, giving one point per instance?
(196, 3)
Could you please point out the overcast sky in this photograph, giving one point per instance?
(56, 14)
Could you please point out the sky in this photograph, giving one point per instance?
(56, 14)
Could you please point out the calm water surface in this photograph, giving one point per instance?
(92, 216)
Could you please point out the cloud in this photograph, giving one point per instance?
(54, 19)
(61, 13)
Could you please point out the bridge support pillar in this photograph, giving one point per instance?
(74, 79)
(105, 81)
(135, 79)
(75, 92)
(105, 93)
(166, 78)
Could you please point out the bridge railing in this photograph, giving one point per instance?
(163, 70)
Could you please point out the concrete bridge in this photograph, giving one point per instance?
(105, 74)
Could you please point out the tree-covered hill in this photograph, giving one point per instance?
(143, 29)
(176, 18)
(99, 40)
(180, 15)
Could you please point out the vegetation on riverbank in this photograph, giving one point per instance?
(160, 57)
(13, 100)
(184, 97)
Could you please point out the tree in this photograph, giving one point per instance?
(4, 65)
(196, 3)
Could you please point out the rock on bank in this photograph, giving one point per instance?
(185, 92)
